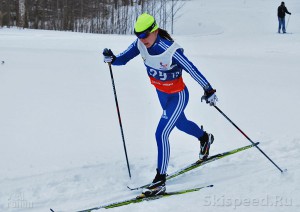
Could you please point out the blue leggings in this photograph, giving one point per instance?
(173, 106)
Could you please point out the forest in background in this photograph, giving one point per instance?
(89, 16)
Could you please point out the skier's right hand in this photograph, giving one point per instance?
(109, 56)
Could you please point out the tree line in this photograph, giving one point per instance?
(90, 16)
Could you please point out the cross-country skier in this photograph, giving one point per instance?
(164, 60)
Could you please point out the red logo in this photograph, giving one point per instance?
(163, 66)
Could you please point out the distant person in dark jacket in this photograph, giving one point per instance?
(282, 10)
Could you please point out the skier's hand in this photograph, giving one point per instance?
(210, 97)
(109, 56)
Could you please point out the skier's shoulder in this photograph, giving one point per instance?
(165, 43)
(132, 50)
(134, 45)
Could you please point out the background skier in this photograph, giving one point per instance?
(281, 11)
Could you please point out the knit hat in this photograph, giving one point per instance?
(145, 22)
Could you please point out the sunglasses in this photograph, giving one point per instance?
(144, 34)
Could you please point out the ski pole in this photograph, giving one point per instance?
(249, 139)
(287, 22)
(119, 116)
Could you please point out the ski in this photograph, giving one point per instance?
(141, 198)
(200, 163)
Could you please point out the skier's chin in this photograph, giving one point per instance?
(147, 45)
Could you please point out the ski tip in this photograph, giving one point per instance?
(52, 210)
(132, 189)
(210, 185)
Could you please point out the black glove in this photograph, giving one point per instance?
(210, 97)
(109, 56)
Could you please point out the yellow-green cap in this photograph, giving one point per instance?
(144, 22)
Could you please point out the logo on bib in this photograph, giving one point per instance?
(163, 66)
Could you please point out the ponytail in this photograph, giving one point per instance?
(164, 34)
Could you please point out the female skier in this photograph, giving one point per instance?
(164, 60)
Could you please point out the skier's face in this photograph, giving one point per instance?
(150, 39)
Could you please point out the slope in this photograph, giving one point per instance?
(60, 139)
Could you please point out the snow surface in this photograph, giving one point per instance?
(60, 139)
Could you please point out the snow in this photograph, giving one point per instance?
(61, 146)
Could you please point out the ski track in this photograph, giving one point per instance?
(60, 141)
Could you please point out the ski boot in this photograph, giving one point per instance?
(157, 187)
(205, 141)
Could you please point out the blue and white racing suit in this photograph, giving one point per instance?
(164, 62)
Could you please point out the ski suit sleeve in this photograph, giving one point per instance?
(131, 52)
(286, 11)
(183, 62)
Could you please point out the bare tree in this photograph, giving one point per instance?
(94, 16)
(176, 5)
(1, 18)
(21, 13)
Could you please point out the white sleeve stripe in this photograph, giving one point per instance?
(190, 70)
(162, 47)
(164, 44)
(187, 66)
(128, 49)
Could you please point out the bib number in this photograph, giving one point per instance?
(163, 75)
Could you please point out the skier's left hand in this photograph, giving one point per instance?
(210, 97)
